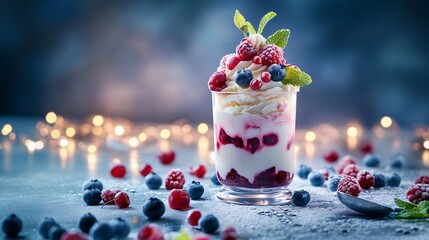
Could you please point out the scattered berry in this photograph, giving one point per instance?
(86, 221)
(175, 179)
(154, 208)
(303, 171)
(56, 232)
(333, 182)
(380, 180)
(179, 199)
(266, 77)
(422, 179)
(145, 170)
(92, 196)
(108, 195)
(167, 157)
(277, 72)
(229, 233)
(255, 84)
(243, 77)
(393, 180)
(371, 160)
(118, 171)
(344, 161)
(351, 170)
(208, 223)
(217, 81)
(365, 179)
(153, 181)
(366, 147)
(11, 225)
(397, 161)
(331, 156)
(122, 200)
(257, 60)
(349, 185)
(120, 228)
(195, 190)
(93, 183)
(233, 62)
(272, 54)
(193, 217)
(316, 178)
(214, 179)
(301, 198)
(198, 171)
(45, 225)
(74, 236)
(325, 173)
(418, 192)
(101, 231)
(150, 232)
(245, 51)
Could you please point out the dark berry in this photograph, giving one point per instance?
(153, 181)
(245, 51)
(175, 179)
(145, 170)
(331, 156)
(333, 182)
(118, 171)
(11, 225)
(238, 142)
(380, 180)
(215, 180)
(198, 171)
(371, 160)
(101, 231)
(349, 185)
(93, 183)
(150, 232)
(120, 228)
(270, 139)
(74, 236)
(122, 200)
(393, 180)
(86, 221)
(301, 198)
(167, 157)
(224, 138)
(396, 161)
(44, 226)
(193, 217)
(56, 232)
(277, 72)
(365, 179)
(154, 208)
(233, 62)
(229, 233)
(366, 147)
(92, 196)
(303, 171)
(418, 192)
(108, 195)
(351, 170)
(208, 224)
(344, 161)
(316, 178)
(253, 144)
(217, 81)
(243, 77)
(272, 54)
(422, 179)
(179, 199)
(195, 190)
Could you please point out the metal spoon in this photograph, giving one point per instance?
(363, 206)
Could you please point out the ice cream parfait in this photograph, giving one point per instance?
(254, 106)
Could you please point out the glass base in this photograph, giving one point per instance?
(281, 197)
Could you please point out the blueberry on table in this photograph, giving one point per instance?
(316, 178)
(393, 180)
(301, 198)
(397, 161)
(56, 232)
(303, 171)
(94, 183)
(380, 180)
(195, 190)
(333, 182)
(153, 181)
(92, 196)
(154, 208)
(120, 228)
(45, 225)
(209, 224)
(214, 179)
(11, 225)
(371, 160)
(86, 221)
(101, 231)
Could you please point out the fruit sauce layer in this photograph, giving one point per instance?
(265, 179)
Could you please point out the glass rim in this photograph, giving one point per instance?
(290, 92)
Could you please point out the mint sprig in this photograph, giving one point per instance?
(242, 25)
(265, 19)
(411, 210)
(300, 80)
(279, 38)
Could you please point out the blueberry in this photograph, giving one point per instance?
(214, 179)
(56, 232)
(93, 183)
(379, 180)
(154, 208)
(101, 231)
(86, 221)
(208, 223)
(397, 161)
(11, 225)
(316, 178)
(277, 71)
(331, 170)
(45, 225)
(153, 181)
(120, 228)
(371, 160)
(243, 77)
(195, 190)
(393, 180)
(333, 182)
(92, 196)
(303, 171)
(301, 198)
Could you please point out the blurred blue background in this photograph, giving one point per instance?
(151, 60)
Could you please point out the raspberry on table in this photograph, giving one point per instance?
(108, 195)
(331, 156)
(175, 179)
(366, 147)
(118, 171)
(198, 171)
(351, 170)
(145, 170)
(150, 232)
(167, 157)
(122, 200)
(422, 179)
(179, 199)
(229, 233)
(349, 185)
(344, 161)
(272, 54)
(193, 217)
(418, 192)
(245, 50)
(365, 179)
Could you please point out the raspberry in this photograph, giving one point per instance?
(229, 233)
(349, 185)
(246, 51)
(344, 161)
(118, 171)
(167, 157)
(108, 195)
(331, 156)
(217, 81)
(233, 61)
(257, 60)
(193, 216)
(224, 138)
(145, 170)
(179, 199)
(175, 179)
(198, 171)
(122, 200)
(418, 192)
(366, 147)
(255, 84)
(365, 179)
(150, 232)
(271, 54)
(422, 179)
(351, 170)
(266, 77)
(224, 62)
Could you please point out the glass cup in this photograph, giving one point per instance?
(254, 146)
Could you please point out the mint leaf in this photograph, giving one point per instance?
(265, 19)
(411, 215)
(405, 205)
(423, 207)
(302, 80)
(279, 38)
(239, 19)
(247, 28)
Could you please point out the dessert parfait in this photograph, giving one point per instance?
(254, 104)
